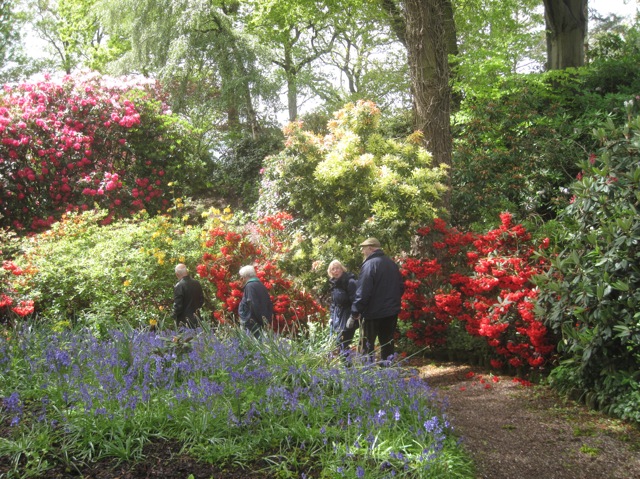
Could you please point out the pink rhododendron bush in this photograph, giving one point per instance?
(87, 141)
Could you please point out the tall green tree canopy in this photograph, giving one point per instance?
(198, 49)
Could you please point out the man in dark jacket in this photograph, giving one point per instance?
(188, 298)
(255, 308)
(377, 301)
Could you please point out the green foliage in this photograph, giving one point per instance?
(351, 184)
(237, 170)
(168, 140)
(514, 149)
(72, 33)
(518, 143)
(199, 52)
(507, 37)
(614, 59)
(591, 295)
(82, 273)
(227, 398)
(15, 62)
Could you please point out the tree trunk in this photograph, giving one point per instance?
(292, 84)
(428, 47)
(427, 29)
(566, 32)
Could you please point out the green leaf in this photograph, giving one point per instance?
(621, 286)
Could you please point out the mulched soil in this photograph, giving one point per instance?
(511, 430)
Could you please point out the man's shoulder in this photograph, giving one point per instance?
(254, 284)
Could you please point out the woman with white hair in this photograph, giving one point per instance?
(255, 308)
(343, 290)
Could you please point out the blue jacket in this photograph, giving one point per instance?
(343, 292)
(380, 287)
(255, 306)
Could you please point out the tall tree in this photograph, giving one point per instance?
(367, 61)
(297, 34)
(567, 23)
(427, 29)
(72, 31)
(9, 37)
(507, 38)
(192, 46)
(428, 49)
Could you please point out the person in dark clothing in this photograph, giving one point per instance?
(188, 298)
(255, 308)
(343, 292)
(377, 301)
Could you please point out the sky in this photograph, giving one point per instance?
(619, 7)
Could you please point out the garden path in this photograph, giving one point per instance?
(514, 431)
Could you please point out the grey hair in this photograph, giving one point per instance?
(247, 272)
(181, 269)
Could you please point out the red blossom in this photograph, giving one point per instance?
(24, 308)
(489, 276)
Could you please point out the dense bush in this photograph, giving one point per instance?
(351, 184)
(86, 142)
(613, 60)
(82, 273)
(591, 295)
(263, 245)
(517, 145)
(238, 168)
(483, 281)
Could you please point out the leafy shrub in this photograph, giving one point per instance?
(614, 57)
(84, 273)
(238, 169)
(483, 281)
(591, 295)
(515, 150)
(350, 184)
(261, 245)
(518, 144)
(88, 142)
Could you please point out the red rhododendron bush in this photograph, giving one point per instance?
(262, 245)
(484, 281)
(83, 142)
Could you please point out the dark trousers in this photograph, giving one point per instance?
(381, 329)
(345, 339)
(190, 321)
(253, 328)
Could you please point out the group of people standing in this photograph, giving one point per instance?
(255, 308)
(370, 302)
